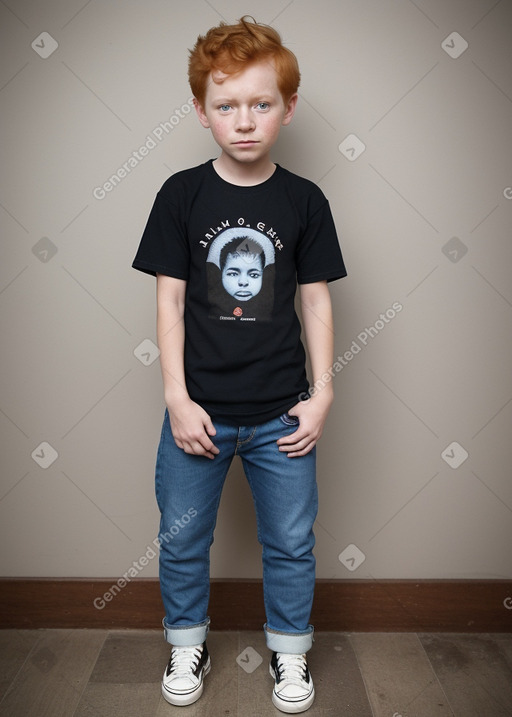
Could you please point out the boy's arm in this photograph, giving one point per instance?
(318, 327)
(191, 426)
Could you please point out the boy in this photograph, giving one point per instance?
(232, 382)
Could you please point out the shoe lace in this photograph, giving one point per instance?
(292, 668)
(184, 660)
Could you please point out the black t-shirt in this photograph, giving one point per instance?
(242, 251)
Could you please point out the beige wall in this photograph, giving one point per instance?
(437, 165)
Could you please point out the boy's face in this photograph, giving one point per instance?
(245, 112)
(242, 277)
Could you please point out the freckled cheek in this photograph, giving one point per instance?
(272, 127)
(219, 130)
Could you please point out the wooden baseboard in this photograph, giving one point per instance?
(346, 606)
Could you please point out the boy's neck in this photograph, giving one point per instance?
(244, 174)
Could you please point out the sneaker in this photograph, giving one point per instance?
(182, 683)
(293, 689)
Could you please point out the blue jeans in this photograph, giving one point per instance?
(284, 490)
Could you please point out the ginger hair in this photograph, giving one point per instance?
(227, 49)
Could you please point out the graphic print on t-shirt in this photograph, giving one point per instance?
(241, 272)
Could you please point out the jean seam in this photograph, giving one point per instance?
(240, 443)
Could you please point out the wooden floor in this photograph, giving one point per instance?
(102, 673)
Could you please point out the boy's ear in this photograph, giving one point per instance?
(200, 113)
(290, 109)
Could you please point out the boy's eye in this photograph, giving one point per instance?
(225, 108)
(263, 105)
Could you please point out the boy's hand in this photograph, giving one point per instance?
(312, 415)
(191, 428)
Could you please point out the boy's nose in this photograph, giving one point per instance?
(244, 121)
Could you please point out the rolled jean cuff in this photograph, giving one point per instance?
(295, 643)
(186, 635)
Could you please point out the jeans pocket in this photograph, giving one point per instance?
(289, 420)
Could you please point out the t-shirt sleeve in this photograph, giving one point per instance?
(164, 248)
(318, 256)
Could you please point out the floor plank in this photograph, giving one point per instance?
(398, 676)
(339, 685)
(131, 656)
(105, 699)
(15, 646)
(475, 672)
(54, 675)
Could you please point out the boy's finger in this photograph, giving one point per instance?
(198, 449)
(208, 446)
(297, 445)
(304, 451)
(294, 437)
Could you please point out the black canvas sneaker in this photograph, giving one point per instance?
(182, 683)
(293, 689)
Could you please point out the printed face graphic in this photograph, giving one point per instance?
(242, 275)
